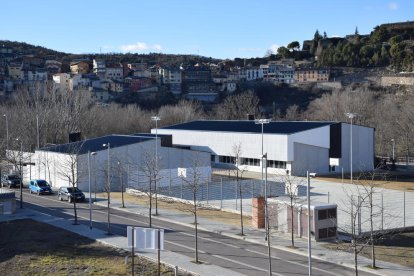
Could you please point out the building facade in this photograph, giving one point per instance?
(291, 147)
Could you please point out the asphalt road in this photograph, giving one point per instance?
(234, 254)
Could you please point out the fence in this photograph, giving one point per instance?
(219, 191)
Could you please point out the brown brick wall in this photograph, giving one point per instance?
(258, 212)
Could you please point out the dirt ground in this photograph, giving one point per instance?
(397, 249)
(28, 247)
(217, 215)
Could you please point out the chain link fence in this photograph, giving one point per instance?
(222, 192)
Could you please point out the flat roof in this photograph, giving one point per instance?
(96, 144)
(249, 126)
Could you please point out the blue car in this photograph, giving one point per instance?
(39, 186)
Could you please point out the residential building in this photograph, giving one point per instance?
(291, 147)
(79, 67)
(61, 82)
(36, 74)
(114, 72)
(16, 71)
(251, 73)
(79, 81)
(99, 67)
(172, 78)
(53, 67)
(311, 75)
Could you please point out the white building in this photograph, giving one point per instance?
(99, 66)
(129, 156)
(61, 82)
(114, 73)
(291, 147)
(250, 74)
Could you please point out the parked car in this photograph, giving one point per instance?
(11, 180)
(39, 186)
(70, 194)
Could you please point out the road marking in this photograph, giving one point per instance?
(184, 246)
(208, 239)
(223, 258)
(293, 262)
(244, 264)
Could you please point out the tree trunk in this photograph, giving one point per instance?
(196, 228)
(372, 231)
(292, 222)
(241, 210)
(75, 211)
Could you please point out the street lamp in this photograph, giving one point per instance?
(309, 227)
(393, 149)
(351, 116)
(156, 119)
(108, 188)
(21, 172)
(90, 199)
(7, 130)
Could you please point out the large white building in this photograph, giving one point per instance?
(291, 147)
(131, 159)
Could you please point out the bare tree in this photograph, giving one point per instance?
(238, 170)
(238, 106)
(150, 169)
(292, 185)
(194, 180)
(69, 169)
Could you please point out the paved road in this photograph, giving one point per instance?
(234, 254)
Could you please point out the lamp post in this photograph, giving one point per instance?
(351, 116)
(90, 197)
(7, 130)
(108, 188)
(21, 172)
(156, 119)
(309, 227)
(393, 149)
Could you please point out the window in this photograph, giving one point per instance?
(327, 232)
(227, 159)
(332, 213)
(276, 164)
(251, 161)
(323, 233)
(331, 232)
(327, 214)
(322, 214)
(213, 158)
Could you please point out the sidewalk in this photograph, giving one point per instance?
(278, 240)
(172, 259)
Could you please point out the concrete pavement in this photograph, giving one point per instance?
(278, 240)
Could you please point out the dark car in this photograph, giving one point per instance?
(11, 180)
(70, 194)
(39, 186)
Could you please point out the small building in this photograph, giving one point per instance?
(128, 158)
(79, 67)
(7, 202)
(323, 217)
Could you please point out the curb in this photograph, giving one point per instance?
(282, 248)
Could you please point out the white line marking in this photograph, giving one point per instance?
(293, 262)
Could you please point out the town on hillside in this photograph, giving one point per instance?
(383, 58)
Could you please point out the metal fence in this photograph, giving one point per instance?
(220, 191)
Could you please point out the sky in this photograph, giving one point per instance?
(213, 28)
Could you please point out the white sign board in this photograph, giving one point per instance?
(334, 161)
(182, 172)
(145, 238)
